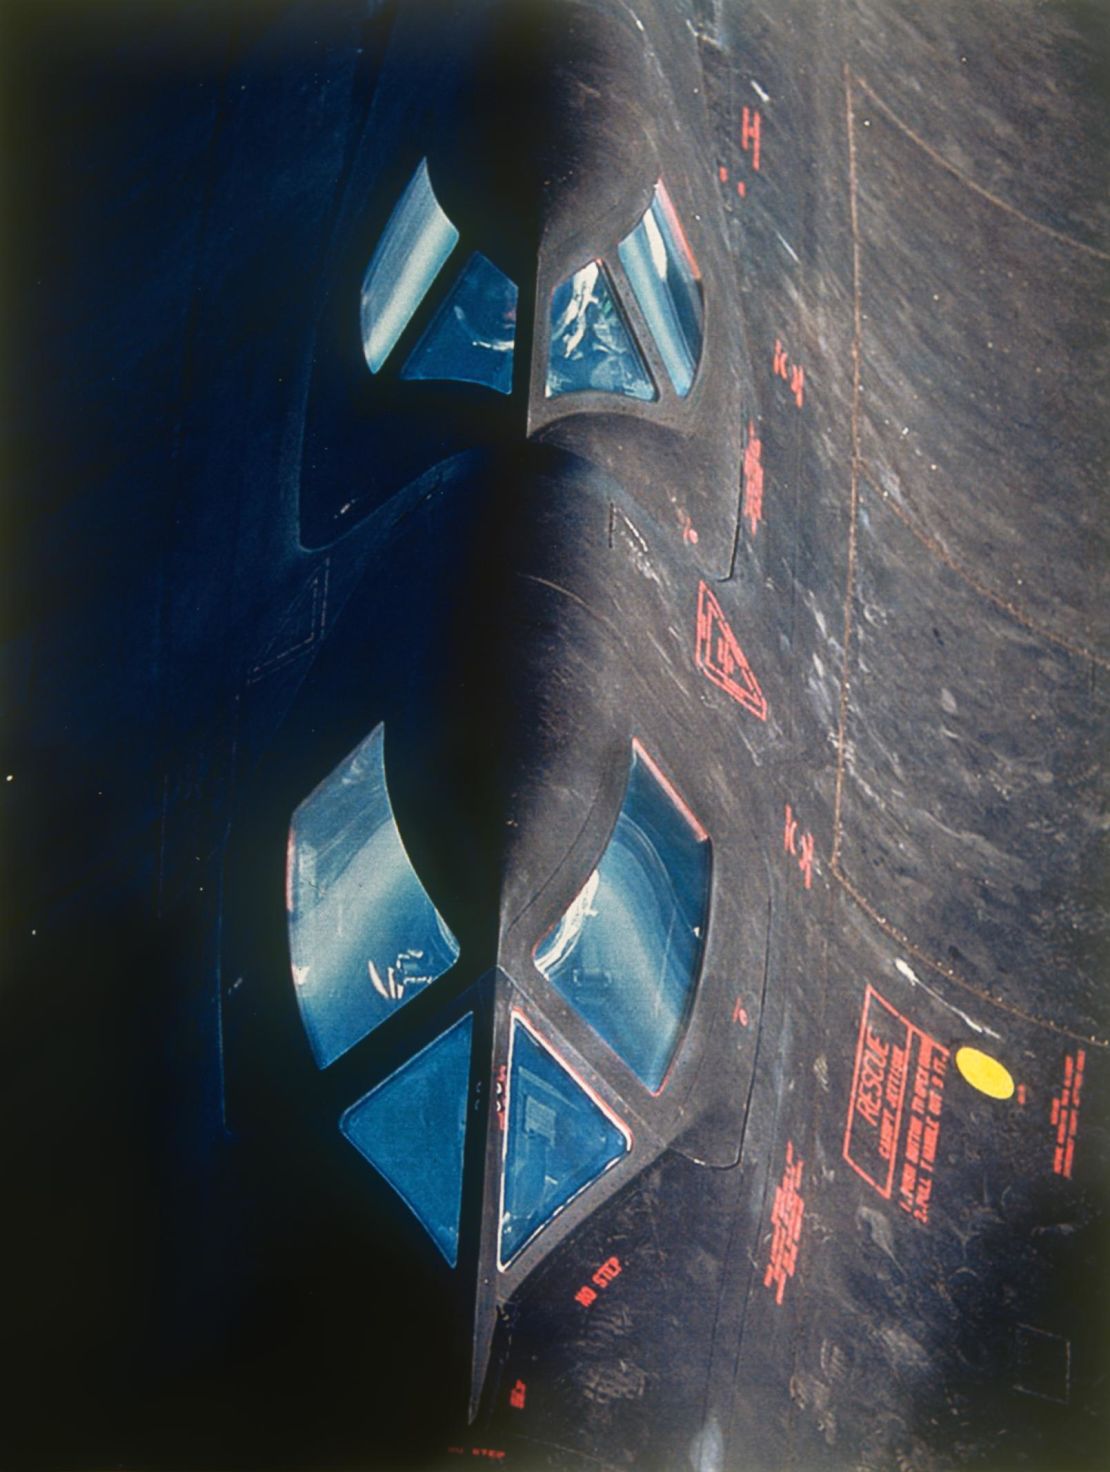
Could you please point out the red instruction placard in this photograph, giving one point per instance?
(895, 1109)
(1065, 1112)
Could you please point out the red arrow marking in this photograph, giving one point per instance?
(720, 658)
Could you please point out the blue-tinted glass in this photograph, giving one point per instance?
(626, 953)
(412, 1128)
(558, 1141)
(414, 245)
(664, 276)
(471, 337)
(591, 346)
(363, 934)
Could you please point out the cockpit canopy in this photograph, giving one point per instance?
(611, 325)
(365, 938)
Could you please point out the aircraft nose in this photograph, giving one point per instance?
(494, 766)
(514, 1133)
(505, 704)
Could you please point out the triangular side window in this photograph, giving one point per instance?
(471, 337)
(559, 1140)
(592, 348)
(412, 1129)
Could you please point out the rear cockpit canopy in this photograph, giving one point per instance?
(530, 250)
(608, 323)
(471, 337)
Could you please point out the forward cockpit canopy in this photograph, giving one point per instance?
(365, 938)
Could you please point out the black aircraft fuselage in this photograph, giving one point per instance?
(523, 628)
(554, 769)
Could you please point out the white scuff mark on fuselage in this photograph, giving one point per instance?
(639, 550)
(707, 1450)
(759, 92)
(788, 248)
(905, 969)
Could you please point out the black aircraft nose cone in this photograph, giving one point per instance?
(531, 1100)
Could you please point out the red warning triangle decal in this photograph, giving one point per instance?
(721, 659)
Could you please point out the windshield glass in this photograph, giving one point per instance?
(363, 935)
(626, 953)
(471, 337)
(559, 1140)
(414, 245)
(664, 276)
(591, 345)
(412, 1129)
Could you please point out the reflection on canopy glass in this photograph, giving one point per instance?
(664, 276)
(414, 245)
(471, 337)
(412, 1128)
(363, 935)
(591, 346)
(627, 951)
(558, 1142)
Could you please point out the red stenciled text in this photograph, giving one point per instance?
(751, 138)
(799, 845)
(792, 373)
(786, 1226)
(752, 510)
(517, 1395)
(885, 1141)
(926, 1102)
(605, 1274)
(872, 1078)
(723, 176)
(609, 1269)
(751, 130)
(1065, 1113)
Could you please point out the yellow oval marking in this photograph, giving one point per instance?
(985, 1073)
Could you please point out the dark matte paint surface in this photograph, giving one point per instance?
(187, 1287)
